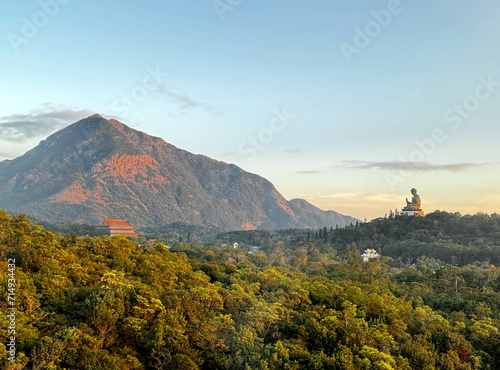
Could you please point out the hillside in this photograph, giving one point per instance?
(447, 237)
(99, 168)
(105, 303)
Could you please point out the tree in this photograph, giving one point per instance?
(104, 310)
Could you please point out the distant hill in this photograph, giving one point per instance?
(448, 237)
(98, 168)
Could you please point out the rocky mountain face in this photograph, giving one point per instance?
(99, 168)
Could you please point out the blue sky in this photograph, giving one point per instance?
(335, 102)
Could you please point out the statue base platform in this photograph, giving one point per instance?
(413, 212)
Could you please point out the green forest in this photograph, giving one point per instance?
(304, 300)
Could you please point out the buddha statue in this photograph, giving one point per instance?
(415, 203)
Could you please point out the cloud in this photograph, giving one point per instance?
(185, 101)
(18, 128)
(413, 166)
(307, 172)
(293, 151)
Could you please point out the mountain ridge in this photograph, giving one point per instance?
(97, 168)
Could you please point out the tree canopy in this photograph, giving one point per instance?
(106, 303)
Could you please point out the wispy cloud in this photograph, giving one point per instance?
(307, 172)
(18, 128)
(415, 166)
(185, 102)
(183, 99)
(293, 150)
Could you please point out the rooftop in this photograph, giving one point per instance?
(118, 223)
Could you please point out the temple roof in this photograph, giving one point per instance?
(118, 223)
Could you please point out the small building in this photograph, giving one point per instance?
(118, 227)
(253, 250)
(370, 254)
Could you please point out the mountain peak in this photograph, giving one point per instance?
(91, 123)
(96, 115)
(98, 168)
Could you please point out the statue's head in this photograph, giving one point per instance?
(414, 191)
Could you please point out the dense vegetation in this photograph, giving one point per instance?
(449, 237)
(106, 303)
(446, 237)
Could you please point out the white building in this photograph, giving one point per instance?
(369, 254)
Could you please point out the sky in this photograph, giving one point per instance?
(346, 104)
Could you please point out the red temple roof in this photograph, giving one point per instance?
(118, 223)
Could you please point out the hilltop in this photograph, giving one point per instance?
(97, 168)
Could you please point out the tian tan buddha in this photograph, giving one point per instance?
(413, 208)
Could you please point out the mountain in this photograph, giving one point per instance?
(308, 214)
(97, 168)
